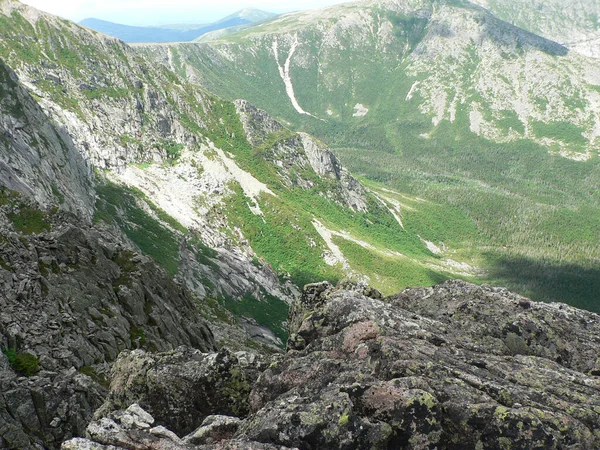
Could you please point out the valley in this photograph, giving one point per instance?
(500, 133)
(283, 235)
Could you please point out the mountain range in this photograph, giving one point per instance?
(167, 209)
(446, 102)
(176, 33)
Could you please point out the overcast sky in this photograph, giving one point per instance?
(160, 12)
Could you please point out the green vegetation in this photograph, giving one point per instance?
(283, 238)
(562, 131)
(270, 312)
(94, 375)
(8, 196)
(29, 220)
(110, 92)
(25, 218)
(25, 364)
(173, 150)
(157, 236)
(125, 261)
(507, 208)
(283, 234)
(137, 336)
(389, 273)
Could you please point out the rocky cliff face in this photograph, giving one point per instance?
(38, 158)
(302, 152)
(453, 366)
(72, 297)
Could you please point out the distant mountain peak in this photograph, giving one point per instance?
(176, 32)
(249, 14)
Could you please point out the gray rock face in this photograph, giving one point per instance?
(45, 408)
(133, 429)
(36, 157)
(214, 429)
(115, 107)
(181, 388)
(73, 298)
(431, 368)
(427, 368)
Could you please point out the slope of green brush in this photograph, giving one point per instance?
(285, 237)
(533, 216)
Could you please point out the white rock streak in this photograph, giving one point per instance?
(360, 110)
(385, 201)
(334, 255)
(251, 186)
(284, 72)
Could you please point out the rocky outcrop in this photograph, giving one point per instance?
(71, 299)
(36, 157)
(292, 154)
(133, 429)
(455, 366)
(181, 388)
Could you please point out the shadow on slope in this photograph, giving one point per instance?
(548, 281)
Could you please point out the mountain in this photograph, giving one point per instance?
(485, 133)
(142, 212)
(251, 15)
(176, 33)
(157, 241)
(573, 23)
(254, 16)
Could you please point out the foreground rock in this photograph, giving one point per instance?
(71, 300)
(456, 366)
(134, 429)
(181, 388)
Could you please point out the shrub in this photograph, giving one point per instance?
(23, 363)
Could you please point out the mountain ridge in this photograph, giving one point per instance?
(138, 34)
(412, 94)
(156, 239)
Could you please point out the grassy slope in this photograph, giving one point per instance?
(532, 216)
(285, 238)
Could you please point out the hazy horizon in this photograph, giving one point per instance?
(162, 12)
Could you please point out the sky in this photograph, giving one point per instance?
(160, 12)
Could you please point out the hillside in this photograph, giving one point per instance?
(573, 23)
(157, 241)
(494, 127)
(237, 208)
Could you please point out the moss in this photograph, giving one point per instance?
(94, 375)
(5, 265)
(23, 363)
(501, 412)
(237, 390)
(427, 399)
(8, 196)
(30, 220)
(343, 420)
(137, 336)
(125, 261)
(516, 344)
